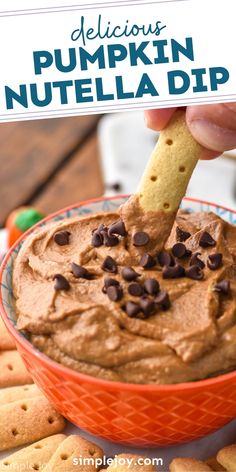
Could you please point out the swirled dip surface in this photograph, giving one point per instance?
(71, 318)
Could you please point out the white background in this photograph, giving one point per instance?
(211, 24)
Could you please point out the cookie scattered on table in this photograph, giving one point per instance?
(189, 465)
(6, 341)
(227, 458)
(33, 457)
(75, 447)
(225, 461)
(61, 453)
(55, 454)
(12, 394)
(12, 370)
(28, 419)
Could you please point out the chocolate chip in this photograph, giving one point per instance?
(173, 272)
(147, 306)
(165, 259)
(140, 238)
(147, 261)
(80, 272)
(196, 261)
(109, 241)
(194, 272)
(214, 261)
(114, 293)
(188, 253)
(135, 289)
(132, 309)
(179, 250)
(61, 282)
(118, 227)
(61, 238)
(182, 235)
(151, 286)
(163, 300)
(206, 240)
(222, 287)
(129, 274)
(108, 282)
(97, 239)
(109, 265)
(100, 236)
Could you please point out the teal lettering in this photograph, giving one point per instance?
(199, 87)
(138, 53)
(173, 88)
(101, 96)
(85, 57)
(42, 60)
(19, 98)
(218, 75)
(116, 53)
(47, 95)
(186, 51)
(72, 60)
(161, 58)
(120, 89)
(81, 89)
(146, 87)
(62, 85)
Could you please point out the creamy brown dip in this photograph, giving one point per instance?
(81, 327)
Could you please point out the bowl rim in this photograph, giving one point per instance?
(80, 377)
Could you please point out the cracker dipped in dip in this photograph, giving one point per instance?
(143, 295)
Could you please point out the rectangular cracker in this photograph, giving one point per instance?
(74, 447)
(188, 465)
(12, 394)
(170, 167)
(28, 420)
(12, 370)
(7, 343)
(33, 457)
(227, 458)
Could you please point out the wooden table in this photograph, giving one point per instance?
(49, 163)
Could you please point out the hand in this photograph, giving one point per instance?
(213, 126)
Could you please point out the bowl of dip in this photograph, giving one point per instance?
(134, 406)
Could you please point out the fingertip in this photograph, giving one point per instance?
(213, 126)
(157, 119)
(207, 155)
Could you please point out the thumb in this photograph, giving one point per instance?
(213, 126)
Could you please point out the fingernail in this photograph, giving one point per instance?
(212, 136)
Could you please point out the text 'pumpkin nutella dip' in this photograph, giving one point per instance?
(143, 295)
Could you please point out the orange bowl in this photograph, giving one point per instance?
(130, 414)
